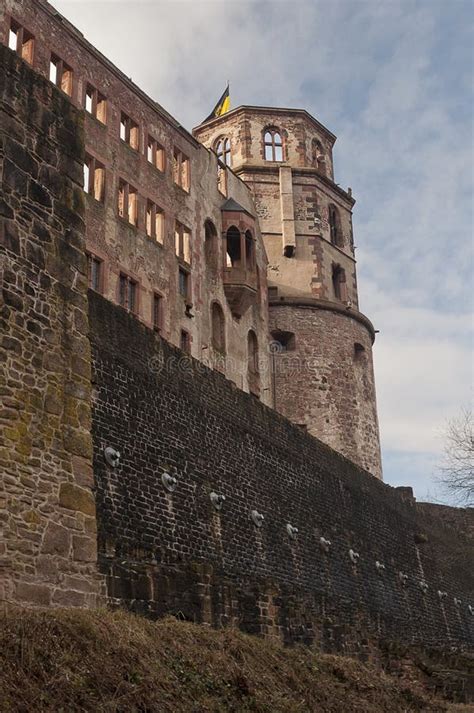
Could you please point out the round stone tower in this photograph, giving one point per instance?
(321, 344)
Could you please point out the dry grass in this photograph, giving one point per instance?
(68, 661)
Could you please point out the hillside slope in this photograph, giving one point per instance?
(68, 661)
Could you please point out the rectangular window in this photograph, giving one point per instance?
(128, 291)
(183, 283)
(21, 41)
(60, 74)
(94, 265)
(157, 312)
(129, 131)
(182, 242)
(185, 341)
(154, 221)
(181, 169)
(128, 203)
(155, 154)
(95, 104)
(94, 178)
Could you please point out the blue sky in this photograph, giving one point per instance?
(393, 80)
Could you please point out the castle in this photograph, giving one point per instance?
(180, 319)
(242, 254)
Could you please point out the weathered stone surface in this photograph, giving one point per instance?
(85, 549)
(74, 497)
(40, 350)
(32, 593)
(57, 540)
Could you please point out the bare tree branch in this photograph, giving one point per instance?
(456, 472)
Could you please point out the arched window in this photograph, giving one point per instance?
(234, 256)
(218, 327)
(339, 283)
(273, 145)
(252, 363)
(335, 230)
(318, 158)
(210, 244)
(222, 147)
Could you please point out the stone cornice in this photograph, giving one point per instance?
(314, 303)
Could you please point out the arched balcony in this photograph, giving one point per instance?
(240, 267)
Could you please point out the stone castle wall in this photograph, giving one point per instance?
(47, 509)
(174, 552)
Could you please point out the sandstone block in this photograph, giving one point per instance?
(35, 593)
(57, 540)
(74, 497)
(84, 549)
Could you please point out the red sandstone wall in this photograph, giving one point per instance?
(126, 248)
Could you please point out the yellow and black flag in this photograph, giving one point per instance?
(222, 106)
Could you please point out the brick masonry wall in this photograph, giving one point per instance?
(47, 511)
(173, 552)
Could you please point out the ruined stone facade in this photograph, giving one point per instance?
(154, 209)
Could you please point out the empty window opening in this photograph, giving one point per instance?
(183, 283)
(94, 269)
(335, 230)
(60, 74)
(283, 341)
(129, 131)
(223, 151)
(128, 203)
(218, 327)
(339, 283)
(273, 145)
(128, 292)
(154, 222)
(359, 351)
(252, 363)
(234, 254)
(157, 312)
(94, 178)
(185, 341)
(182, 237)
(21, 41)
(318, 158)
(210, 244)
(181, 170)
(155, 154)
(95, 104)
